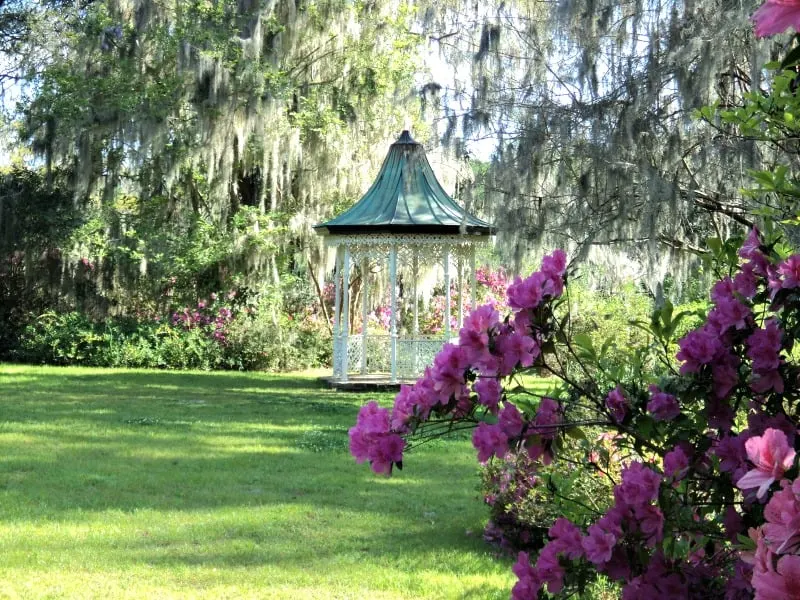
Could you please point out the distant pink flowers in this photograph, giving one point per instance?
(771, 455)
(776, 16)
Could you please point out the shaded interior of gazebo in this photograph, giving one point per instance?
(407, 223)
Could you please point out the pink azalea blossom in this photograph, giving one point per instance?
(751, 246)
(548, 414)
(549, 569)
(387, 451)
(511, 421)
(651, 523)
(474, 335)
(489, 440)
(526, 294)
(745, 282)
(782, 583)
(782, 529)
(617, 404)
(449, 367)
(732, 455)
(698, 348)
(722, 290)
(405, 406)
(515, 349)
(529, 583)
(488, 390)
(663, 406)
(639, 485)
(598, 545)
(790, 268)
(566, 538)
(676, 462)
(727, 313)
(373, 419)
(764, 346)
(771, 455)
(725, 374)
(776, 16)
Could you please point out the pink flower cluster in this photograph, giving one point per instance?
(775, 563)
(730, 332)
(771, 456)
(633, 518)
(663, 407)
(372, 440)
(467, 376)
(205, 316)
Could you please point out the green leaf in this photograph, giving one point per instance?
(576, 433)
(584, 343)
(714, 243)
(745, 542)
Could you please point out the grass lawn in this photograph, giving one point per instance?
(151, 484)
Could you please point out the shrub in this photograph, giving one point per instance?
(706, 442)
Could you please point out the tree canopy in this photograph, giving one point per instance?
(237, 125)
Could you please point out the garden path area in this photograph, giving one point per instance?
(153, 484)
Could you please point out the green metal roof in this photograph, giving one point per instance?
(406, 198)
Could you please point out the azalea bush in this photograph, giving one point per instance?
(705, 504)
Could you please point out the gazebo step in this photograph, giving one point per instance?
(377, 382)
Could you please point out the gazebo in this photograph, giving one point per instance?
(408, 221)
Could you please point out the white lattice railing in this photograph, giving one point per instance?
(413, 354)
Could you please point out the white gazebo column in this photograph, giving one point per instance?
(473, 284)
(393, 311)
(364, 306)
(415, 277)
(415, 334)
(337, 318)
(460, 264)
(446, 260)
(345, 314)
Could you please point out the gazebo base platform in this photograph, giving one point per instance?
(375, 382)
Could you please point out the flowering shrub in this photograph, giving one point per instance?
(211, 316)
(222, 331)
(525, 498)
(706, 504)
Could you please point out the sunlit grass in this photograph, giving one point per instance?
(142, 484)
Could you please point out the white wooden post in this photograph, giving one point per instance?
(415, 275)
(345, 313)
(393, 309)
(446, 260)
(337, 318)
(473, 278)
(460, 264)
(364, 306)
